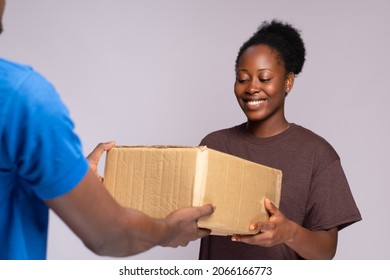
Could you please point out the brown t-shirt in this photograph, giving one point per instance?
(315, 191)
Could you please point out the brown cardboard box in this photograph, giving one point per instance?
(159, 179)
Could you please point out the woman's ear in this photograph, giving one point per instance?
(289, 82)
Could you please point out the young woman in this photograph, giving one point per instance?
(316, 200)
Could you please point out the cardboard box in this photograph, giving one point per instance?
(159, 179)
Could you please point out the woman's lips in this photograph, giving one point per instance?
(255, 104)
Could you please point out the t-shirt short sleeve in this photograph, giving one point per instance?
(330, 201)
(44, 148)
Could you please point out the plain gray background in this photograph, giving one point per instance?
(161, 72)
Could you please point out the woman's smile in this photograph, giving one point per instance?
(255, 104)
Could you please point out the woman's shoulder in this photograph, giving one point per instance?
(306, 133)
(224, 132)
(314, 140)
(221, 136)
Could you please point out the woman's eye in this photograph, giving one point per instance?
(264, 80)
(242, 80)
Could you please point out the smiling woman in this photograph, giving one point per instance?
(261, 86)
(316, 200)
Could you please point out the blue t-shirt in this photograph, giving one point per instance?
(41, 158)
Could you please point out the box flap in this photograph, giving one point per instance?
(237, 188)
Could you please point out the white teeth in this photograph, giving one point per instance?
(255, 102)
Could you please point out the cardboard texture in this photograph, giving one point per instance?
(159, 179)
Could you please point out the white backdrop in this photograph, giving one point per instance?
(161, 72)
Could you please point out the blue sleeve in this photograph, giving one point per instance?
(45, 150)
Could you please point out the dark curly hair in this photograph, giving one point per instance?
(283, 38)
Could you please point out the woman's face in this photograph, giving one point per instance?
(262, 84)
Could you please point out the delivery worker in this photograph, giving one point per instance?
(42, 166)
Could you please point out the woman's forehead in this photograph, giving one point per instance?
(261, 55)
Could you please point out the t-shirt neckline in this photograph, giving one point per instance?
(248, 137)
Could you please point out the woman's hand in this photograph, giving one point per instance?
(319, 244)
(278, 229)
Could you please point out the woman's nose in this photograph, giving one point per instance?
(253, 86)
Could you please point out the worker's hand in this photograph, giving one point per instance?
(182, 225)
(94, 157)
